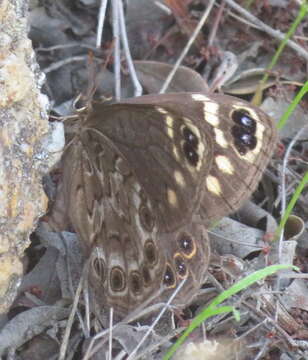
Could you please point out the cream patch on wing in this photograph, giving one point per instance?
(161, 110)
(224, 164)
(210, 109)
(170, 124)
(178, 176)
(213, 185)
(210, 113)
(176, 153)
(220, 138)
(169, 121)
(259, 135)
(199, 97)
(172, 197)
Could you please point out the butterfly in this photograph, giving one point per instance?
(144, 178)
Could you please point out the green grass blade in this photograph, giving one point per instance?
(292, 106)
(304, 180)
(301, 14)
(292, 203)
(212, 310)
(193, 325)
(245, 282)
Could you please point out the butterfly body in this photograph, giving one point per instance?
(144, 177)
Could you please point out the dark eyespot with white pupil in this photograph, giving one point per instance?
(190, 146)
(117, 279)
(244, 131)
(247, 121)
(180, 266)
(190, 137)
(190, 154)
(243, 141)
(248, 140)
(186, 244)
(169, 278)
(243, 119)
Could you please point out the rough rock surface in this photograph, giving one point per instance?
(24, 145)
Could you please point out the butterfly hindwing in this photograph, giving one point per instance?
(132, 258)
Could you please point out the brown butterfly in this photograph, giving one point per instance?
(144, 177)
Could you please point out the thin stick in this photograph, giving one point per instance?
(58, 64)
(216, 23)
(149, 350)
(110, 333)
(131, 356)
(187, 47)
(87, 308)
(100, 24)
(263, 349)
(117, 59)
(267, 29)
(70, 321)
(130, 64)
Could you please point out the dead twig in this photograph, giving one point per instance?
(58, 64)
(187, 47)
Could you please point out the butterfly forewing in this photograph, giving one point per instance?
(241, 140)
